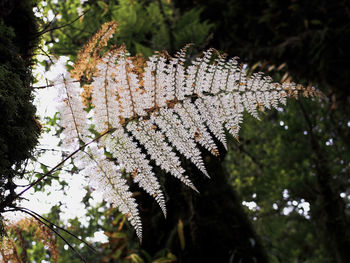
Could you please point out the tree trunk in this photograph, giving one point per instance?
(330, 215)
(216, 228)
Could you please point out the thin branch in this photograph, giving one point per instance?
(59, 27)
(59, 164)
(9, 210)
(50, 85)
(38, 173)
(47, 25)
(52, 229)
(68, 232)
(46, 54)
(52, 176)
(43, 87)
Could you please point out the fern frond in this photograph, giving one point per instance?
(129, 156)
(104, 95)
(159, 106)
(210, 116)
(179, 136)
(106, 177)
(73, 115)
(194, 123)
(159, 150)
(88, 56)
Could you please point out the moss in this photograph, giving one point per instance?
(18, 132)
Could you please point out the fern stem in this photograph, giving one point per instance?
(71, 109)
(106, 97)
(129, 87)
(155, 84)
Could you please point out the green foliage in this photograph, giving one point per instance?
(144, 26)
(120, 246)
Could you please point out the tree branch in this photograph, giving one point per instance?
(55, 28)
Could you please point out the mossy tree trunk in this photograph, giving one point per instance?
(18, 127)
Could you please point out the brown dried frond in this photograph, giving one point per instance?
(118, 50)
(286, 77)
(109, 29)
(183, 52)
(134, 173)
(8, 251)
(311, 91)
(291, 91)
(185, 48)
(197, 136)
(171, 103)
(89, 55)
(219, 54)
(86, 94)
(215, 152)
(139, 63)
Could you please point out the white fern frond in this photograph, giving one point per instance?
(150, 82)
(210, 115)
(149, 110)
(201, 81)
(124, 88)
(129, 156)
(179, 136)
(193, 121)
(104, 95)
(159, 150)
(179, 75)
(131, 96)
(73, 115)
(231, 113)
(106, 177)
